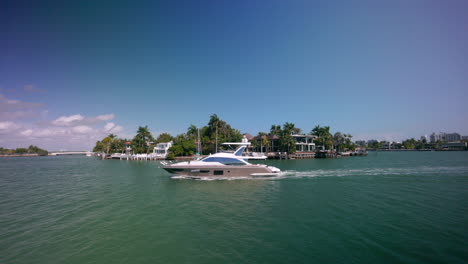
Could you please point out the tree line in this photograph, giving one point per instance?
(216, 132)
(322, 137)
(21, 151)
(407, 144)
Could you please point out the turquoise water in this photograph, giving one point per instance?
(388, 207)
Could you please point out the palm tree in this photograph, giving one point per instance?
(265, 143)
(324, 136)
(339, 139)
(275, 130)
(107, 141)
(192, 131)
(142, 140)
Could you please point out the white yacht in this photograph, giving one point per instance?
(222, 164)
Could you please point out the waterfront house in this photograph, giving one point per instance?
(304, 143)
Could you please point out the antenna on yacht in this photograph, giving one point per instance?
(216, 150)
(198, 142)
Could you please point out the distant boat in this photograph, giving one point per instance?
(254, 156)
(116, 156)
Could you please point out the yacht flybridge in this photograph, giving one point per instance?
(222, 164)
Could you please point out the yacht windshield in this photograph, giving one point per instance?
(225, 161)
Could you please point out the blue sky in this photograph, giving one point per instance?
(72, 72)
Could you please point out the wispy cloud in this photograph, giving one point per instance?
(67, 120)
(26, 89)
(11, 109)
(8, 126)
(25, 123)
(78, 119)
(112, 128)
(29, 88)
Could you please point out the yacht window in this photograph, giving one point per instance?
(225, 161)
(218, 172)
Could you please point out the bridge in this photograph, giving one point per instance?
(60, 153)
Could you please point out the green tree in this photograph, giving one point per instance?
(219, 129)
(348, 143)
(164, 137)
(183, 146)
(324, 137)
(99, 147)
(21, 151)
(37, 150)
(339, 139)
(142, 141)
(107, 142)
(192, 131)
(275, 130)
(286, 141)
(265, 142)
(409, 143)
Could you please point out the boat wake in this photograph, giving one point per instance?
(423, 170)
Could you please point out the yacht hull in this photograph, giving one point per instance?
(222, 171)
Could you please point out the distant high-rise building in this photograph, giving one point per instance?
(451, 137)
(437, 137)
(425, 138)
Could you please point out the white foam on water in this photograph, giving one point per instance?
(422, 170)
(207, 178)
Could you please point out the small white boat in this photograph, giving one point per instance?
(116, 156)
(254, 156)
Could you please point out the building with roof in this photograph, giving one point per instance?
(303, 143)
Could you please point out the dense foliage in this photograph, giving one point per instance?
(110, 144)
(212, 136)
(286, 141)
(324, 139)
(143, 140)
(19, 151)
(218, 131)
(164, 137)
(343, 142)
(183, 146)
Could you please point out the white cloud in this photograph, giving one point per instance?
(27, 132)
(105, 117)
(8, 126)
(112, 128)
(50, 132)
(67, 120)
(109, 126)
(117, 129)
(12, 102)
(82, 129)
(76, 131)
